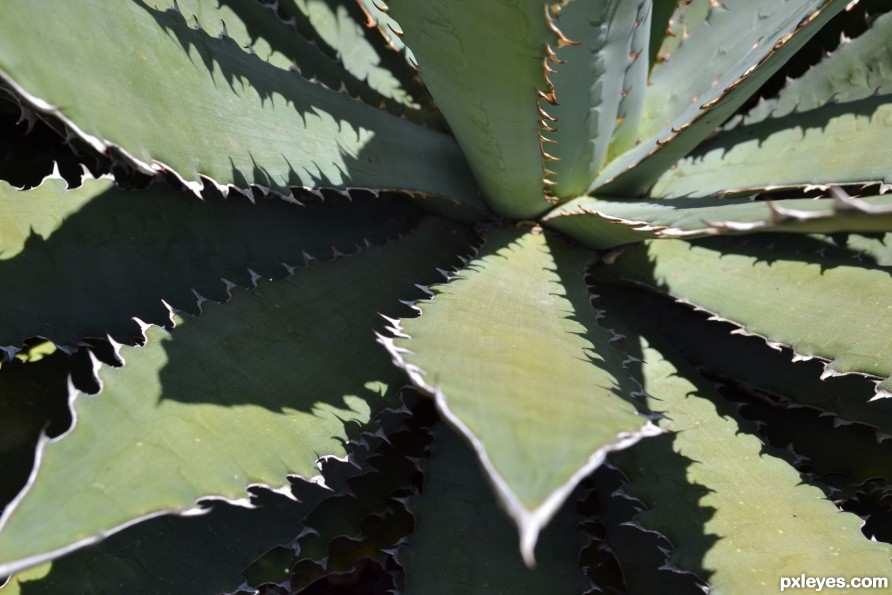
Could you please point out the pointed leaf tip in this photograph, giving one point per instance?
(537, 278)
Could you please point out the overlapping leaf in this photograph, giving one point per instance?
(363, 525)
(604, 223)
(839, 453)
(709, 76)
(30, 150)
(206, 107)
(200, 554)
(640, 554)
(683, 18)
(738, 516)
(251, 24)
(857, 69)
(483, 68)
(229, 399)
(335, 30)
(833, 144)
(749, 362)
(512, 350)
(806, 135)
(598, 81)
(95, 242)
(463, 544)
(663, 25)
(794, 291)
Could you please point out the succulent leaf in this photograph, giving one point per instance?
(811, 148)
(463, 544)
(749, 518)
(523, 276)
(598, 82)
(230, 338)
(487, 70)
(709, 472)
(605, 223)
(717, 54)
(280, 129)
(690, 96)
(155, 247)
(857, 69)
(149, 557)
(153, 441)
(792, 291)
(635, 80)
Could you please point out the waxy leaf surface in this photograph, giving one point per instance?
(512, 350)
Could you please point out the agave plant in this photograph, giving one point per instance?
(634, 251)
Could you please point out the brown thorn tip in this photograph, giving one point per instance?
(544, 114)
(563, 40)
(549, 96)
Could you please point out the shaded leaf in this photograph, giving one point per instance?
(663, 25)
(251, 24)
(683, 19)
(737, 514)
(280, 130)
(33, 401)
(171, 554)
(750, 363)
(157, 245)
(640, 554)
(833, 144)
(322, 40)
(822, 446)
(239, 396)
(798, 292)
(877, 248)
(369, 520)
(30, 150)
(463, 544)
(708, 78)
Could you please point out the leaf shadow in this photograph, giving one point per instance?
(570, 267)
(307, 342)
(669, 502)
(828, 253)
(108, 256)
(344, 138)
(33, 402)
(202, 553)
(291, 33)
(804, 121)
